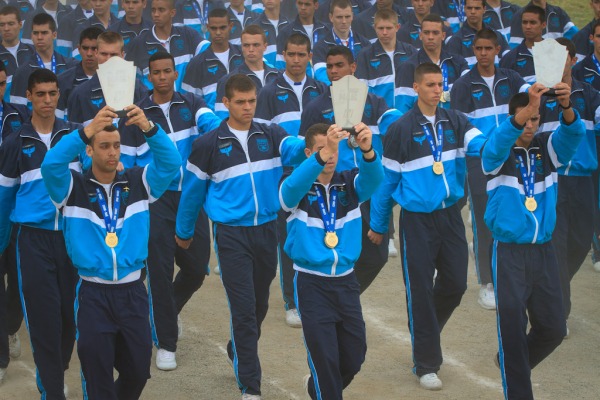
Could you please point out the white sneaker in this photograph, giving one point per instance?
(597, 266)
(14, 346)
(2, 375)
(179, 327)
(165, 360)
(430, 382)
(66, 390)
(217, 270)
(487, 299)
(305, 383)
(247, 396)
(392, 251)
(292, 318)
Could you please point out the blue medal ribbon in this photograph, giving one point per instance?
(339, 42)
(460, 10)
(436, 150)
(111, 223)
(328, 218)
(201, 13)
(528, 174)
(52, 63)
(595, 60)
(444, 68)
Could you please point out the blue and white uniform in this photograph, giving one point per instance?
(320, 30)
(558, 24)
(520, 59)
(25, 52)
(462, 42)
(364, 23)
(128, 31)
(271, 55)
(500, 20)
(525, 271)
(239, 22)
(66, 39)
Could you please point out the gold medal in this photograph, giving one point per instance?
(438, 168)
(443, 98)
(111, 239)
(530, 204)
(331, 239)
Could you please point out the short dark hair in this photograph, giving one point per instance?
(160, 55)
(426, 68)
(298, 39)
(254, 30)
(8, 10)
(218, 13)
(171, 3)
(240, 83)
(41, 75)
(487, 34)
(483, 3)
(519, 100)
(531, 9)
(434, 18)
(341, 51)
(595, 25)
(107, 128)
(314, 130)
(90, 33)
(343, 4)
(43, 19)
(569, 45)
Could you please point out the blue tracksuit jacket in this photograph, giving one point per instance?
(501, 23)
(506, 215)
(75, 195)
(461, 43)
(520, 59)
(558, 24)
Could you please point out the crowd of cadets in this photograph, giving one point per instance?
(292, 50)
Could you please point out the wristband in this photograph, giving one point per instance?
(366, 151)
(567, 107)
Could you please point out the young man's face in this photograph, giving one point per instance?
(106, 51)
(386, 31)
(422, 7)
(595, 4)
(89, 53)
(306, 8)
(432, 35)
(162, 13)
(133, 8)
(485, 51)
(241, 106)
(296, 58)
(531, 127)
(105, 151)
(253, 47)
(474, 11)
(219, 28)
(42, 37)
(163, 76)
(595, 38)
(533, 27)
(271, 4)
(320, 142)
(237, 4)
(101, 7)
(341, 19)
(338, 67)
(2, 83)
(44, 99)
(429, 88)
(10, 27)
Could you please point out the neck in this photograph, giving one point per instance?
(426, 109)
(10, 44)
(220, 47)
(342, 35)
(103, 177)
(50, 7)
(420, 18)
(239, 8)
(325, 178)
(238, 126)
(488, 71)
(272, 13)
(434, 55)
(295, 78)
(105, 19)
(46, 55)
(306, 21)
(88, 71)
(389, 47)
(477, 27)
(522, 143)
(493, 3)
(134, 21)
(162, 98)
(42, 124)
(530, 43)
(255, 65)
(164, 32)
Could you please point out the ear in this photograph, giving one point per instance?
(226, 102)
(307, 152)
(89, 151)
